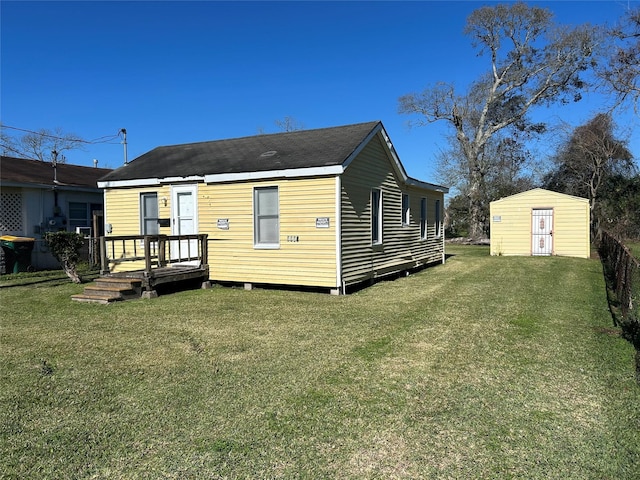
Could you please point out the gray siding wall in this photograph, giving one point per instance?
(402, 247)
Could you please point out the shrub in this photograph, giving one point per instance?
(65, 246)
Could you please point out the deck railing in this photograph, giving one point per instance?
(155, 250)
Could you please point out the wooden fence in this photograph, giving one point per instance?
(623, 273)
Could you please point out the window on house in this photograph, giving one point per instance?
(79, 215)
(423, 218)
(149, 213)
(438, 223)
(406, 212)
(376, 216)
(266, 217)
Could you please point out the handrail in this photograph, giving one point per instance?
(155, 250)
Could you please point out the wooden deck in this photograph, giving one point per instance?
(165, 275)
(168, 259)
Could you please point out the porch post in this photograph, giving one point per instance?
(104, 261)
(204, 248)
(147, 255)
(162, 251)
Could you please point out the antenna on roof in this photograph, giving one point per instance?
(124, 142)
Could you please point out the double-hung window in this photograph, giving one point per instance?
(149, 213)
(406, 212)
(376, 216)
(438, 223)
(423, 218)
(266, 217)
(79, 215)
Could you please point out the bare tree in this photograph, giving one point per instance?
(621, 73)
(532, 61)
(508, 168)
(40, 145)
(289, 124)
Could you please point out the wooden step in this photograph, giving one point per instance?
(105, 290)
(109, 291)
(82, 297)
(118, 282)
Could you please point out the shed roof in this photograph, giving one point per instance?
(540, 191)
(20, 171)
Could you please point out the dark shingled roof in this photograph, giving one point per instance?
(281, 151)
(19, 170)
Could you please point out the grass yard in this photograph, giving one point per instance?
(485, 367)
(634, 246)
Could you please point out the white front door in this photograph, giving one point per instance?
(184, 221)
(542, 231)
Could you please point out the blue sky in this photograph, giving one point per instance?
(179, 72)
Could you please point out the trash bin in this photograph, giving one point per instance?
(17, 252)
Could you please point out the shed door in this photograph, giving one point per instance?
(542, 231)
(184, 222)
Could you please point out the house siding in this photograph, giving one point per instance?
(401, 247)
(25, 212)
(122, 212)
(512, 234)
(306, 255)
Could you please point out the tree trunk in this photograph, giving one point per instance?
(476, 215)
(70, 269)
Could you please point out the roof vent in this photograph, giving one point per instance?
(270, 153)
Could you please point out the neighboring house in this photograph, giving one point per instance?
(324, 208)
(540, 222)
(36, 198)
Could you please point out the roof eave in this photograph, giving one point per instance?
(430, 186)
(397, 164)
(51, 186)
(272, 174)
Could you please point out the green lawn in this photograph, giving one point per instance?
(485, 367)
(634, 246)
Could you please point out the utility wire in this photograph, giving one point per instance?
(103, 139)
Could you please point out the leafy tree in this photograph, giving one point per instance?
(40, 145)
(587, 160)
(65, 247)
(456, 219)
(619, 208)
(532, 61)
(622, 71)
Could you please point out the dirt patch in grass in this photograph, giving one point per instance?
(613, 332)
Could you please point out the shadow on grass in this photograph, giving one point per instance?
(36, 279)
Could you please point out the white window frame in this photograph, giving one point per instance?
(406, 210)
(257, 217)
(377, 216)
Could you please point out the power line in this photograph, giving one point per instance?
(103, 139)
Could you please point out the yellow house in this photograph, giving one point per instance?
(325, 208)
(540, 222)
